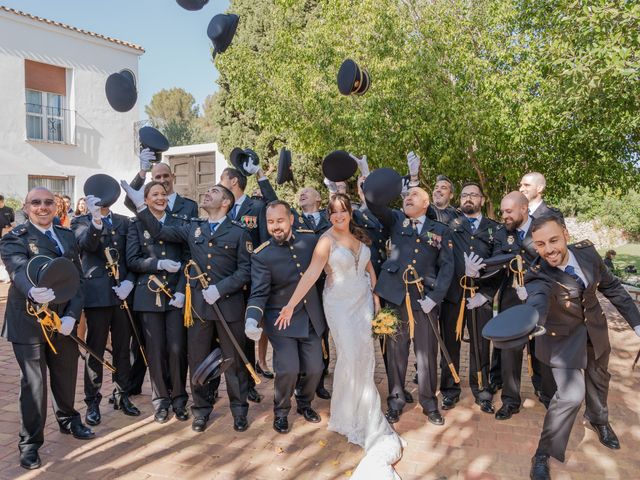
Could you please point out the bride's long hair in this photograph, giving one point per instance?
(341, 200)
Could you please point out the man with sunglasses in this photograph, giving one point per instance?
(38, 236)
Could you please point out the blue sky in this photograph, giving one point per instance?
(175, 40)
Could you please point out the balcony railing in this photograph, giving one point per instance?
(50, 124)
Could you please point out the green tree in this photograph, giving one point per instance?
(174, 112)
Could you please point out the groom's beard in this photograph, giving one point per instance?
(280, 236)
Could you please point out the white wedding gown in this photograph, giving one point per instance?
(355, 402)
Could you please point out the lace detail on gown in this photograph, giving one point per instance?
(355, 403)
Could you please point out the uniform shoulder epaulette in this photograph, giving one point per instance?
(500, 227)
(60, 227)
(19, 230)
(196, 219)
(261, 247)
(583, 244)
(237, 224)
(304, 230)
(180, 216)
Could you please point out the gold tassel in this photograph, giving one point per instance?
(50, 322)
(412, 321)
(158, 301)
(325, 354)
(463, 304)
(188, 318)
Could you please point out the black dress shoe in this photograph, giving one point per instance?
(606, 435)
(449, 402)
(408, 398)
(393, 416)
(253, 395)
(281, 424)
(486, 406)
(240, 423)
(310, 415)
(181, 414)
(506, 411)
(199, 424)
(434, 417)
(540, 468)
(123, 403)
(323, 393)
(264, 373)
(30, 459)
(494, 387)
(161, 415)
(79, 431)
(93, 416)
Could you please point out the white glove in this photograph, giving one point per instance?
(211, 294)
(136, 196)
(146, 157)
(476, 301)
(168, 265)
(177, 300)
(250, 167)
(405, 186)
(427, 304)
(66, 325)
(42, 294)
(362, 163)
(251, 329)
(472, 265)
(522, 293)
(413, 161)
(331, 186)
(94, 209)
(637, 330)
(124, 289)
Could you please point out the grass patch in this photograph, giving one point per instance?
(628, 254)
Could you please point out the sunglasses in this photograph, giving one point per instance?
(48, 202)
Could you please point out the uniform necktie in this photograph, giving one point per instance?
(416, 225)
(312, 221)
(571, 271)
(234, 211)
(49, 235)
(213, 226)
(107, 222)
(521, 235)
(472, 223)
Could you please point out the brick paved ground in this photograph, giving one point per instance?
(471, 445)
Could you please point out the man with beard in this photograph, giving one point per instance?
(514, 237)
(562, 285)
(473, 236)
(276, 268)
(422, 246)
(441, 208)
(221, 248)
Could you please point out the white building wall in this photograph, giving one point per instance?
(104, 139)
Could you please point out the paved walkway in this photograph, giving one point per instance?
(471, 445)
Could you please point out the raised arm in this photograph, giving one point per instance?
(308, 280)
(169, 233)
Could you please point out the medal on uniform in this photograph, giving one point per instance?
(406, 222)
(510, 240)
(197, 233)
(249, 221)
(249, 246)
(491, 234)
(34, 248)
(146, 235)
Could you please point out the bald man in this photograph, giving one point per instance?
(38, 236)
(532, 186)
(514, 237)
(420, 248)
(312, 216)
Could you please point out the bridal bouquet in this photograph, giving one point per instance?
(385, 323)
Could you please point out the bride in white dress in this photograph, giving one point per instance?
(349, 308)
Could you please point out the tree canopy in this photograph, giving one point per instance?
(482, 90)
(174, 112)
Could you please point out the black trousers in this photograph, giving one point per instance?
(448, 319)
(199, 340)
(572, 385)
(101, 321)
(426, 350)
(166, 340)
(63, 370)
(290, 357)
(138, 368)
(511, 373)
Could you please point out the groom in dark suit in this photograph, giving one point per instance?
(276, 268)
